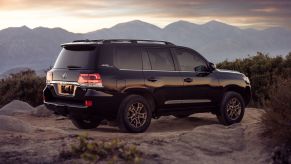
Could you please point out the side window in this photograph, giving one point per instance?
(127, 58)
(161, 59)
(190, 61)
(145, 60)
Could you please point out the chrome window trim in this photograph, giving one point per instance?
(188, 101)
(154, 70)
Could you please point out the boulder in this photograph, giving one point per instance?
(16, 107)
(42, 111)
(9, 123)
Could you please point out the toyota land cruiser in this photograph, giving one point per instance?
(133, 81)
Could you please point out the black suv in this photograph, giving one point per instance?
(133, 81)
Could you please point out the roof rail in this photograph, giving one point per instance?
(86, 40)
(134, 41)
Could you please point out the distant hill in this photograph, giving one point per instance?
(38, 48)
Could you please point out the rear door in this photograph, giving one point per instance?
(161, 75)
(127, 58)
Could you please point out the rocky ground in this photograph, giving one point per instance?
(34, 135)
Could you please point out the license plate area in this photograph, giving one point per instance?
(66, 89)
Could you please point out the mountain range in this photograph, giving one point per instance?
(22, 47)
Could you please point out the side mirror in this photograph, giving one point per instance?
(212, 66)
(200, 68)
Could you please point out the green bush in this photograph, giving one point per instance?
(25, 86)
(111, 151)
(263, 72)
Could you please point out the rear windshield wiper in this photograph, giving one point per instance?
(73, 67)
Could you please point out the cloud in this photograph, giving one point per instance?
(262, 12)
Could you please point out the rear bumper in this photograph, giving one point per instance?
(104, 103)
(65, 109)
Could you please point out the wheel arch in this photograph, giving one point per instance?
(245, 92)
(145, 93)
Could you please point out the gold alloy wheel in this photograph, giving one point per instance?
(233, 108)
(137, 114)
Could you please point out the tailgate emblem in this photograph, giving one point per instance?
(64, 75)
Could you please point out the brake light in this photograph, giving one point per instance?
(49, 76)
(90, 80)
(88, 103)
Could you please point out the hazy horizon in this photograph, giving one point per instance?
(161, 27)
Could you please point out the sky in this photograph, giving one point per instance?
(90, 15)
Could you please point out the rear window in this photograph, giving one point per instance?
(77, 57)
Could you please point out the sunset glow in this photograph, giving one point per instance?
(89, 15)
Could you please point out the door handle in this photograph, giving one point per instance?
(188, 80)
(152, 79)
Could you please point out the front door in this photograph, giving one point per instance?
(200, 87)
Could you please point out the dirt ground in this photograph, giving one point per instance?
(196, 139)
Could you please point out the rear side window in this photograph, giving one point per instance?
(161, 59)
(127, 58)
(78, 57)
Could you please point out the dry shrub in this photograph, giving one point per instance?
(277, 118)
(263, 70)
(25, 86)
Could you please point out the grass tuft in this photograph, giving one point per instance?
(111, 151)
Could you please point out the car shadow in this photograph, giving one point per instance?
(166, 124)
(179, 124)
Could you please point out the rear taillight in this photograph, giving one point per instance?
(88, 103)
(49, 76)
(90, 80)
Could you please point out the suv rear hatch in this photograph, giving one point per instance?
(74, 59)
(72, 62)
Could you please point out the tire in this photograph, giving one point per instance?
(89, 123)
(232, 108)
(134, 114)
(181, 115)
